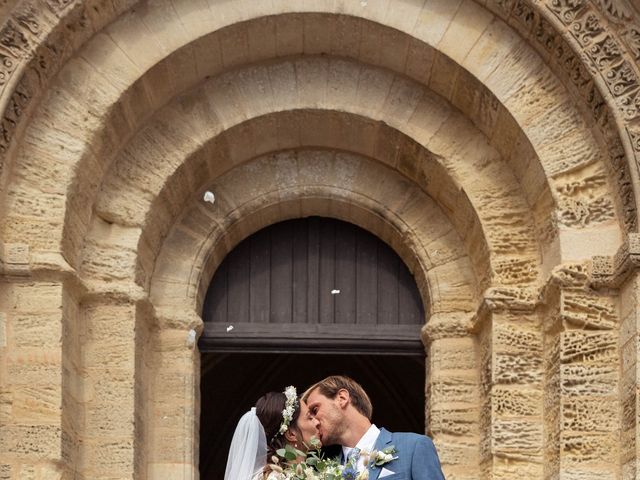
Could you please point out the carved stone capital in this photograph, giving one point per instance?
(113, 293)
(611, 272)
(447, 325)
(178, 319)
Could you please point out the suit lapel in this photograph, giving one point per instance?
(384, 439)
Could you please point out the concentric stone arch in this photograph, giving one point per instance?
(146, 93)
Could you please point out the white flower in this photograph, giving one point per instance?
(364, 475)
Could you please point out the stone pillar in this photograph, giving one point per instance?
(173, 397)
(107, 392)
(511, 383)
(452, 393)
(621, 272)
(582, 378)
(630, 379)
(33, 436)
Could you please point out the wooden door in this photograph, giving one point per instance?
(313, 284)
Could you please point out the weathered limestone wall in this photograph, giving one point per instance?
(493, 144)
(33, 433)
(630, 378)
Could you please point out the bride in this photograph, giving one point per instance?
(278, 419)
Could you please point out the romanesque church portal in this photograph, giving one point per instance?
(488, 149)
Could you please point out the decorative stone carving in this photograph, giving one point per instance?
(616, 9)
(567, 10)
(586, 31)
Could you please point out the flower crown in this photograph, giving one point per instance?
(290, 406)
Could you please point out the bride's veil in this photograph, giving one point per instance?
(248, 452)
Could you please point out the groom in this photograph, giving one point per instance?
(342, 413)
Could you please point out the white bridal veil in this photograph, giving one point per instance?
(248, 452)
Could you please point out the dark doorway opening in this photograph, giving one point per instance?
(231, 382)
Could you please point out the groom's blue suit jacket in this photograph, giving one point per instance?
(417, 458)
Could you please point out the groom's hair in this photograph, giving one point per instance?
(330, 386)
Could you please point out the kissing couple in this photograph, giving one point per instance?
(279, 438)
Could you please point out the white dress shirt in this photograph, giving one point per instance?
(365, 444)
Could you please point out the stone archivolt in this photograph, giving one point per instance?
(492, 144)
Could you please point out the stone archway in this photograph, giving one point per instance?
(299, 300)
(493, 145)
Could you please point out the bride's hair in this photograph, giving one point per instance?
(269, 409)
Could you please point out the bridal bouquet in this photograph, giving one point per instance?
(316, 467)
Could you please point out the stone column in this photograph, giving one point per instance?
(582, 378)
(630, 379)
(106, 397)
(452, 393)
(34, 311)
(173, 397)
(622, 273)
(511, 383)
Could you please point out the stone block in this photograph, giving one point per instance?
(444, 75)
(452, 354)
(590, 415)
(596, 379)
(36, 330)
(33, 367)
(578, 346)
(517, 368)
(31, 442)
(584, 449)
(31, 297)
(468, 25)
(435, 19)
(508, 401)
(517, 439)
(37, 404)
(110, 457)
(455, 418)
(454, 451)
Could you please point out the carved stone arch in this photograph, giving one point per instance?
(459, 156)
(27, 54)
(101, 41)
(394, 210)
(409, 227)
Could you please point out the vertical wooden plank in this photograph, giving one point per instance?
(313, 284)
(345, 301)
(387, 285)
(366, 278)
(410, 303)
(300, 271)
(260, 277)
(238, 272)
(327, 270)
(281, 273)
(215, 303)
